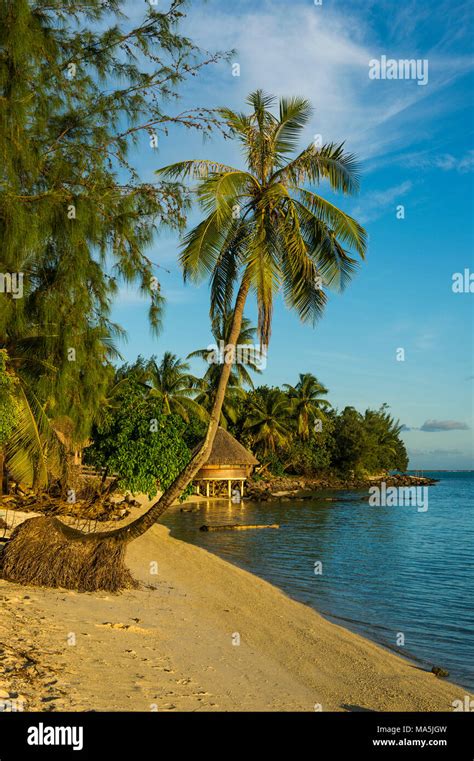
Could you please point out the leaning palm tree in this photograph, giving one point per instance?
(265, 230)
(307, 403)
(172, 382)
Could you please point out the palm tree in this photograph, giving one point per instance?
(206, 395)
(267, 420)
(384, 431)
(221, 328)
(239, 375)
(33, 450)
(175, 386)
(306, 402)
(264, 232)
(56, 401)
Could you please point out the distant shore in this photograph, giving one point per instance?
(198, 635)
(301, 487)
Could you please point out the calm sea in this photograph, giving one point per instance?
(386, 571)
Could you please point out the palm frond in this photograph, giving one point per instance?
(329, 162)
(295, 113)
(197, 169)
(334, 264)
(227, 266)
(262, 267)
(33, 448)
(344, 226)
(226, 193)
(201, 247)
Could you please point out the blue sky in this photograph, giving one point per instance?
(415, 144)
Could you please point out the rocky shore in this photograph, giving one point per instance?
(300, 487)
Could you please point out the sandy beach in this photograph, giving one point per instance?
(198, 635)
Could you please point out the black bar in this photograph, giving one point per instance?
(133, 736)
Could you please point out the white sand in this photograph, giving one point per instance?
(168, 646)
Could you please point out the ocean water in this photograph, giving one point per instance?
(400, 576)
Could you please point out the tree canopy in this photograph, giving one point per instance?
(81, 87)
(139, 443)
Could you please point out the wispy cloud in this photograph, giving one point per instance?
(436, 452)
(128, 297)
(178, 295)
(444, 161)
(374, 204)
(323, 53)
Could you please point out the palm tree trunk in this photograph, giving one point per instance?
(141, 525)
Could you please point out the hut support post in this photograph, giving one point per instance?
(229, 488)
(207, 488)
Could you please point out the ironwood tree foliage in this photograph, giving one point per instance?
(80, 87)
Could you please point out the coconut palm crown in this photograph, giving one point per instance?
(263, 225)
(175, 386)
(307, 402)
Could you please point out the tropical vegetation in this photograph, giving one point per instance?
(81, 86)
(292, 430)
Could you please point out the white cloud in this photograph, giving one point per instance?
(128, 297)
(443, 425)
(444, 161)
(323, 54)
(372, 205)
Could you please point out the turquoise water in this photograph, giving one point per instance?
(386, 571)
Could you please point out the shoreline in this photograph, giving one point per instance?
(119, 506)
(172, 645)
(363, 629)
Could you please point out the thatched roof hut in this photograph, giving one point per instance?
(229, 461)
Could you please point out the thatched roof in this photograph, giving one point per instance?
(227, 451)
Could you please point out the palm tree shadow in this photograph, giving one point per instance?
(356, 708)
